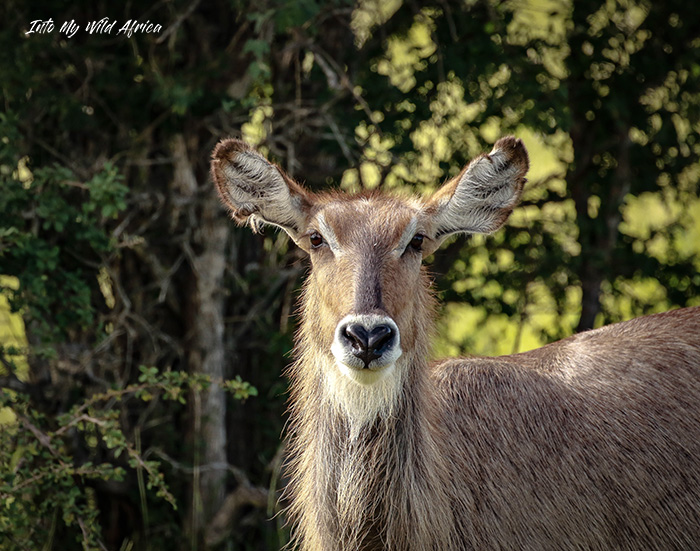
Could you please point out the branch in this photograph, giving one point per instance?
(175, 26)
(11, 380)
(43, 438)
(245, 495)
(221, 525)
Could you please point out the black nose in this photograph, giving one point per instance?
(366, 344)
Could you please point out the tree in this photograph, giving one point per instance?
(633, 105)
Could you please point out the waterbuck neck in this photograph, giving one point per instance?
(378, 483)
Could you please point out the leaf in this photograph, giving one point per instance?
(258, 47)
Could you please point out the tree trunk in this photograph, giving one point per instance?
(596, 132)
(205, 340)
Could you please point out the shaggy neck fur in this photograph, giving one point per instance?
(364, 477)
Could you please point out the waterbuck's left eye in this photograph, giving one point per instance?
(417, 242)
(316, 240)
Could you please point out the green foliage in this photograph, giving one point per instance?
(47, 493)
(293, 13)
(240, 389)
(53, 234)
(43, 491)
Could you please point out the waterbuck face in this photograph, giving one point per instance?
(366, 254)
(367, 292)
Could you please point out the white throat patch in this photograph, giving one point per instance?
(362, 395)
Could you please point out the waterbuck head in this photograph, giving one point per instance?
(366, 309)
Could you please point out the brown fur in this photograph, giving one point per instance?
(590, 443)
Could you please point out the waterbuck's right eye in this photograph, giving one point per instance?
(417, 242)
(316, 240)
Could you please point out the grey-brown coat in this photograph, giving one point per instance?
(590, 443)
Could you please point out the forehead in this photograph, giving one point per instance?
(352, 218)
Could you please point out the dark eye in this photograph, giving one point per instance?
(417, 242)
(316, 240)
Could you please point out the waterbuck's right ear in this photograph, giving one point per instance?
(482, 196)
(257, 191)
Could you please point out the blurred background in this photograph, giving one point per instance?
(143, 337)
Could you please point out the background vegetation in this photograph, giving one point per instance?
(142, 336)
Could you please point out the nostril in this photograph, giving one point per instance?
(379, 337)
(357, 336)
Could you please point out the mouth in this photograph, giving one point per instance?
(366, 376)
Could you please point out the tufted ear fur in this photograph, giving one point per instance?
(484, 194)
(257, 191)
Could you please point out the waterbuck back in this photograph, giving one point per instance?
(590, 443)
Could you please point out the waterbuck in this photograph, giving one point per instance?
(590, 443)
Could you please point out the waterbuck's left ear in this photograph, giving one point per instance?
(482, 196)
(257, 191)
